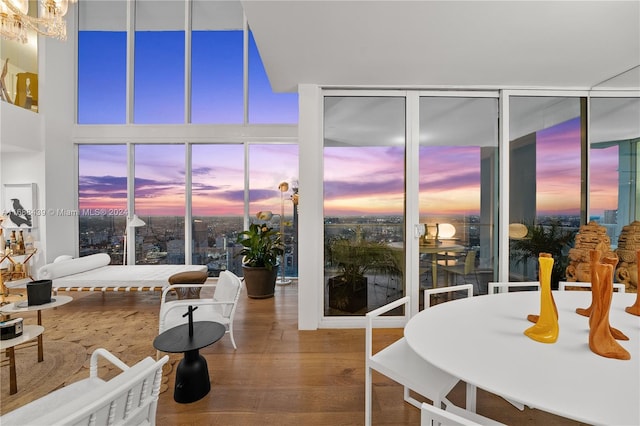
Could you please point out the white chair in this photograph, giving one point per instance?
(220, 308)
(504, 287)
(402, 365)
(471, 389)
(620, 287)
(434, 416)
(465, 266)
(128, 398)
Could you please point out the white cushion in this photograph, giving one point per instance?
(62, 258)
(73, 266)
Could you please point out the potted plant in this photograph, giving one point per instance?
(261, 246)
(353, 259)
(551, 239)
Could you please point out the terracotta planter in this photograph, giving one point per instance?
(260, 281)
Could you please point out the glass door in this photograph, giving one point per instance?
(364, 203)
(458, 175)
(547, 138)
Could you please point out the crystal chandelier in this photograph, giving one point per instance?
(15, 19)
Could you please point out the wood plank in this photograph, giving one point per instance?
(278, 375)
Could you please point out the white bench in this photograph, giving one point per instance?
(130, 398)
(95, 273)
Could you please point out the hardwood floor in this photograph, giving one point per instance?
(282, 376)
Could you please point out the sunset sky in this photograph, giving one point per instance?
(358, 181)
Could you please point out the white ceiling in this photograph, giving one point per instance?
(440, 44)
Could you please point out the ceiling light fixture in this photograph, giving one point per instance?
(15, 20)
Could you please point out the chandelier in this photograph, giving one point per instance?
(15, 19)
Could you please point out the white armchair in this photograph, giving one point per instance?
(220, 308)
(130, 398)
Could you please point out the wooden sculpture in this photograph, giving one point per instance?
(590, 237)
(594, 260)
(546, 328)
(628, 245)
(635, 308)
(601, 339)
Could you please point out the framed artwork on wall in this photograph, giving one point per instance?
(19, 205)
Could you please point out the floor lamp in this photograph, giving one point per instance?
(134, 222)
(283, 187)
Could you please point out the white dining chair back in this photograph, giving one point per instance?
(562, 285)
(401, 364)
(441, 290)
(434, 416)
(221, 307)
(504, 286)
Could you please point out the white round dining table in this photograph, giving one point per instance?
(481, 340)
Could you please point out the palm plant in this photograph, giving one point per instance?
(552, 239)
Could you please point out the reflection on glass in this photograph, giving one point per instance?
(160, 203)
(102, 199)
(545, 181)
(613, 177)
(363, 203)
(457, 169)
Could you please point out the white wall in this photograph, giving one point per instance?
(57, 107)
(22, 160)
(19, 129)
(20, 167)
(311, 229)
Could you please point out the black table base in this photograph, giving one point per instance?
(192, 378)
(192, 374)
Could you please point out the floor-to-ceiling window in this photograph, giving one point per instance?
(458, 169)
(614, 136)
(174, 84)
(102, 199)
(101, 82)
(160, 202)
(217, 203)
(216, 63)
(613, 163)
(364, 195)
(546, 195)
(273, 186)
(159, 62)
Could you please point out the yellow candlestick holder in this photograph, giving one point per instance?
(546, 329)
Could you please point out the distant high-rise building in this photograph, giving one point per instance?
(610, 216)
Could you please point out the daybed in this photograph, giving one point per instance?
(94, 273)
(130, 398)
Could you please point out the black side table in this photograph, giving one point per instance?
(192, 374)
